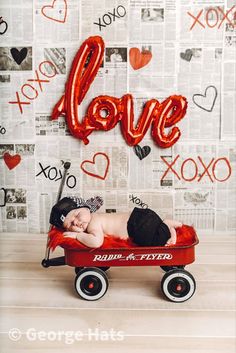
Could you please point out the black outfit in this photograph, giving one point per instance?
(146, 228)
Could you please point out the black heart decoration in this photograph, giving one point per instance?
(142, 152)
(187, 55)
(19, 55)
(198, 96)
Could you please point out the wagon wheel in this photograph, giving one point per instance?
(77, 269)
(169, 268)
(178, 285)
(91, 283)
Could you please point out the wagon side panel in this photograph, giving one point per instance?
(161, 256)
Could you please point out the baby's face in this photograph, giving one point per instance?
(77, 220)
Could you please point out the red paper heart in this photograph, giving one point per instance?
(50, 11)
(11, 161)
(139, 59)
(83, 167)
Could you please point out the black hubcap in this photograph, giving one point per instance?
(178, 287)
(91, 285)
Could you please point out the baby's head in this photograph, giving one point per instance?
(77, 220)
(66, 214)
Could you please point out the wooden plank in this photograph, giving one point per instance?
(207, 273)
(121, 293)
(160, 323)
(22, 250)
(45, 299)
(131, 344)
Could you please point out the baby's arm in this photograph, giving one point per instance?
(93, 239)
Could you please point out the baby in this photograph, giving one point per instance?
(143, 226)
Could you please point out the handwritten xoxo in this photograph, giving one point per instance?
(215, 11)
(110, 17)
(191, 164)
(55, 174)
(29, 91)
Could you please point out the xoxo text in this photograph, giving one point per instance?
(216, 12)
(208, 170)
(29, 91)
(53, 173)
(110, 17)
(137, 201)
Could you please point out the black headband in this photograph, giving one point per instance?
(61, 209)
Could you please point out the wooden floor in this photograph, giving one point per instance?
(133, 316)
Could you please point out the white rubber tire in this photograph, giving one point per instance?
(178, 274)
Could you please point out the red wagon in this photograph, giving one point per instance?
(91, 282)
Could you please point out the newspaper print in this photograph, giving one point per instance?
(153, 49)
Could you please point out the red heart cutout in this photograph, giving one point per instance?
(139, 59)
(50, 11)
(11, 161)
(82, 166)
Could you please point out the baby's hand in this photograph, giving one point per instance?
(76, 229)
(70, 235)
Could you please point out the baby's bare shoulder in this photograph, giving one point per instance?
(95, 222)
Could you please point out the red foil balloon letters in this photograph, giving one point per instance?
(84, 69)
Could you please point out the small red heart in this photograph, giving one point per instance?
(139, 59)
(11, 161)
(86, 171)
(51, 11)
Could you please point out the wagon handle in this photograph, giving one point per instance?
(62, 183)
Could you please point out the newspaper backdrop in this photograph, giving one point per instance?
(193, 49)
